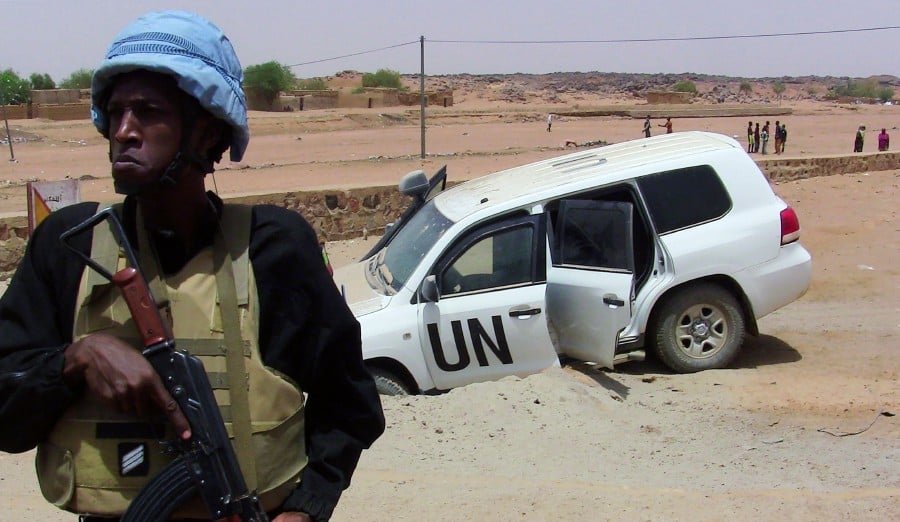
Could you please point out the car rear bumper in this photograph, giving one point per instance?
(779, 282)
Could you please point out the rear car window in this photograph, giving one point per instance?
(683, 198)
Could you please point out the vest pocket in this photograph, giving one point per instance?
(56, 474)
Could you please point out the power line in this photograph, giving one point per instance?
(672, 39)
(616, 40)
(354, 54)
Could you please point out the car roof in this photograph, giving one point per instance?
(576, 171)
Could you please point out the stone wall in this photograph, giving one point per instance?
(669, 97)
(345, 214)
(779, 170)
(370, 98)
(67, 112)
(16, 112)
(432, 98)
(55, 96)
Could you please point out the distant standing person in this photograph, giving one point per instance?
(777, 137)
(783, 136)
(860, 139)
(749, 136)
(667, 125)
(764, 135)
(549, 121)
(884, 141)
(756, 138)
(647, 127)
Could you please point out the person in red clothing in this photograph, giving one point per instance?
(884, 141)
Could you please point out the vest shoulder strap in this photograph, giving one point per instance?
(236, 222)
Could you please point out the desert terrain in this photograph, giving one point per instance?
(802, 426)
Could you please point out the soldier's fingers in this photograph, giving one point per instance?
(170, 407)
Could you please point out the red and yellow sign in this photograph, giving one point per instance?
(46, 196)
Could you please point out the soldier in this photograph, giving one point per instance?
(168, 98)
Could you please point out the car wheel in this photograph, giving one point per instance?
(698, 328)
(387, 383)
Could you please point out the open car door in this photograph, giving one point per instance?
(590, 280)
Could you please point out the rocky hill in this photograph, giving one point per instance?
(550, 88)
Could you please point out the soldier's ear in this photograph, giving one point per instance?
(211, 137)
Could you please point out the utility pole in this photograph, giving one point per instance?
(422, 91)
(12, 156)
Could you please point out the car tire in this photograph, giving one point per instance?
(698, 328)
(387, 383)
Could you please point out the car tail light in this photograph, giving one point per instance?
(790, 226)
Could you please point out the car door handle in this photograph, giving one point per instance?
(613, 300)
(524, 313)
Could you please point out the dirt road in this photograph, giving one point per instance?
(316, 149)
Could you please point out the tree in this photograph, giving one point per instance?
(778, 88)
(382, 78)
(80, 79)
(268, 79)
(13, 89)
(41, 82)
(746, 88)
(885, 94)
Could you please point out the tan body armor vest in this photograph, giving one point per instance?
(95, 460)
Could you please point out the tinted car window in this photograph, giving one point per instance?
(682, 198)
(500, 259)
(594, 234)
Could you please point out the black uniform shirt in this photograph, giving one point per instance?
(306, 331)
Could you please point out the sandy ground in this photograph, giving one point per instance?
(800, 428)
(340, 148)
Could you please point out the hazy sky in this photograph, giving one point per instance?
(60, 36)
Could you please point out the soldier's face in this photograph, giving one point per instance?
(144, 127)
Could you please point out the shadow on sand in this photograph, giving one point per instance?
(764, 350)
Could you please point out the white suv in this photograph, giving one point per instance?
(675, 243)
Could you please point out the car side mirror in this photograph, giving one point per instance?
(429, 290)
(414, 184)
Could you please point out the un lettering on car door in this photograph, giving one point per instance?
(486, 336)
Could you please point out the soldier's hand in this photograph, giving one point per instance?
(122, 378)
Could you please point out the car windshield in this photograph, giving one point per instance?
(396, 262)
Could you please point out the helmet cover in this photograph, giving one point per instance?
(189, 48)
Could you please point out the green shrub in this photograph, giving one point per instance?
(268, 79)
(886, 94)
(382, 78)
(746, 88)
(864, 89)
(80, 79)
(41, 81)
(685, 86)
(312, 84)
(13, 89)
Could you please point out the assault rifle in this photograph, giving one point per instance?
(206, 463)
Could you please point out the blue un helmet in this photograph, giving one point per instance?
(189, 48)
